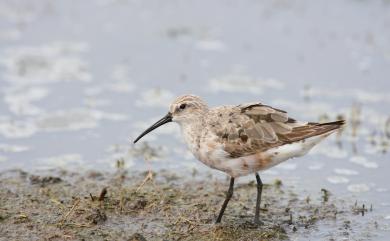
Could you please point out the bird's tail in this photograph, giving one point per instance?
(330, 126)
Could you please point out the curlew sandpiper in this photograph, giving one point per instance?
(242, 139)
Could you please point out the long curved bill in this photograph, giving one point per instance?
(167, 118)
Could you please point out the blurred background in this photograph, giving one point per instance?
(80, 79)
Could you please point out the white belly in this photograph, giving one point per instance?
(242, 166)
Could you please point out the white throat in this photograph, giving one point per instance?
(192, 133)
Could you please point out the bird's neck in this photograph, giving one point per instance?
(192, 133)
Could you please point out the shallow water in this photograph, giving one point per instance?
(80, 79)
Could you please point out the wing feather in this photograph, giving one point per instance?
(252, 128)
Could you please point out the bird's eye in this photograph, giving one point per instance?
(182, 106)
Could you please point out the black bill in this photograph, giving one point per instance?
(167, 118)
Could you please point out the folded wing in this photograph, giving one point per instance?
(252, 128)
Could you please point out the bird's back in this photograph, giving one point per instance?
(251, 130)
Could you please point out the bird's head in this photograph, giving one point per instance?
(185, 109)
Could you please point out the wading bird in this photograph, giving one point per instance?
(242, 139)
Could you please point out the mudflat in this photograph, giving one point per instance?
(63, 205)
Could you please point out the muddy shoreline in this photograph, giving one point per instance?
(62, 205)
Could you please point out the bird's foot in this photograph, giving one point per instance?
(258, 222)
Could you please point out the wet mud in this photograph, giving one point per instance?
(63, 205)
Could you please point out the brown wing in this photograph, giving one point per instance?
(252, 128)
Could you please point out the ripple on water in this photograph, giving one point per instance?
(67, 120)
(70, 160)
(13, 148)
(315, 166)
(122, 80)
(309, 110)
(54, 62)
(96, 102)
(155, 98)
(382, 189)
(121, 86)
(361, 160)
(75, 119)
(358, 188)
(287, 166)
(329, 150)
(337, 179)
(3, 158)
(115, 86)
(19, 99)
(10, 34)
(243, 83)
(93, 90)
(120, 83)
(270, 172)
(142, 151)
(343, 171)
(357, 94)
(19, 13)
(17, 129)
(62, 120)
(211, 45)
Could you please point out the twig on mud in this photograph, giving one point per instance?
(70, 211)
(57, 202)
(184, 220)
(77, 225)
(148, 177)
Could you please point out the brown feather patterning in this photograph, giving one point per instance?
(253, 128)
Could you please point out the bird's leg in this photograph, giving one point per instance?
(258, 201)
(229, 194)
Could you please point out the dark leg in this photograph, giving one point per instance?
(258, 201)
(229, 194)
